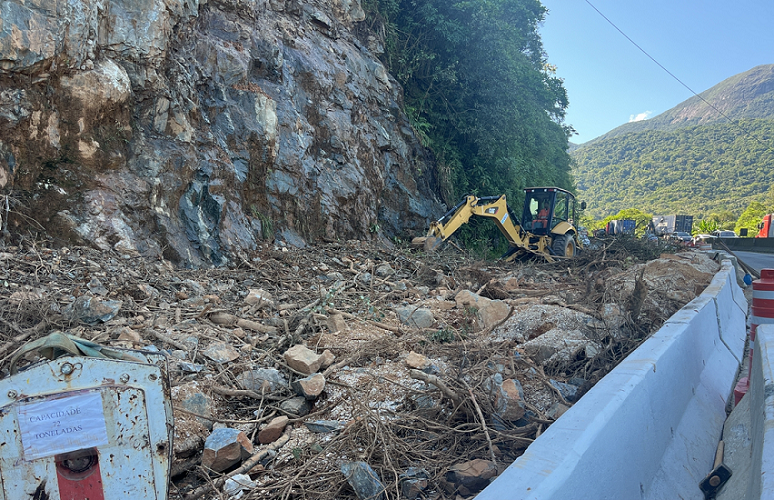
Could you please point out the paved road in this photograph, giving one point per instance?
(757, 261)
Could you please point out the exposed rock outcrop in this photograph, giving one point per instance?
(193, 129)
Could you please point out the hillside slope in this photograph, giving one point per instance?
(689, 159)
(195, 130)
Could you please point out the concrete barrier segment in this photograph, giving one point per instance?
(647, 430)
(761, 484)
(731, 313)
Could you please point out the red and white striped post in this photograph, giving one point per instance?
(762, 313)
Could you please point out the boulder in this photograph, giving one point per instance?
(273, 430)
(309, 387)
(473, 476)
(488, 312)
(364, 480)
(557, 345)
(254, 380)
(302, 359)
(415, 317)
(224, 448)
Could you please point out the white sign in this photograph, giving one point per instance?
(62, 424)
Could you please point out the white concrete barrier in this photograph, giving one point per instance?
(761, 392)
(649, 429)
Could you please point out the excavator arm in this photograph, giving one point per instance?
(492, 207)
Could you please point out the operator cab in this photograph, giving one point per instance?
(545, 207)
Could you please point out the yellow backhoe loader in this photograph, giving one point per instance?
(547, 225)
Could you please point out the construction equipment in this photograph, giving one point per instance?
(547, 225)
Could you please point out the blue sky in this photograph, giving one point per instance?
(609, 81)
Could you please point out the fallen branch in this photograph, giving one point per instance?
(226, 319)
(377, 324)
(243, 393)
(225, 420)
(338, 365)
(483, 423)
(22, 334)
(432, 379)
(169, 340)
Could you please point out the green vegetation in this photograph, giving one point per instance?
(697, 170)
(751, 217)
(267, 226)
(442, 336)
(479, 93)
(707, 226)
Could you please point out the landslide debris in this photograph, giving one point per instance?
(355, 370)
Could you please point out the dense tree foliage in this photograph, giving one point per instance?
(751, 217)
(479, 92)
(697, 170)
(706, 226)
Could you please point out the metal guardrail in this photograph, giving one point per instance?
(765, 245)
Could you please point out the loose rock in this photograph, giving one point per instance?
(417, 361)
(309, 387)
(336, 323)
(302, 359)
(473, 476)
(364, 480)
(225, 447)
(259, 298)
(415, 317)
(221, 352)
(92, 310)
(273, 430)
(413, 482)
(296, 406)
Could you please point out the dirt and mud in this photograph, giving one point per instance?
(430, 372)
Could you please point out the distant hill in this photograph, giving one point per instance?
(689, 159)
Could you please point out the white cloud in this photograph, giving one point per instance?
(640, 117)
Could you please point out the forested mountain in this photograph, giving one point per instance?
(690, 159)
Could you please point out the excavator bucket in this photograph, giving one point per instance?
(431, 243)
(418, 242)
(427, 243)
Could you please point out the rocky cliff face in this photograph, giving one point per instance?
(193, 129)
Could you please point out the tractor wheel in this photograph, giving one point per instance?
(564, 245)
